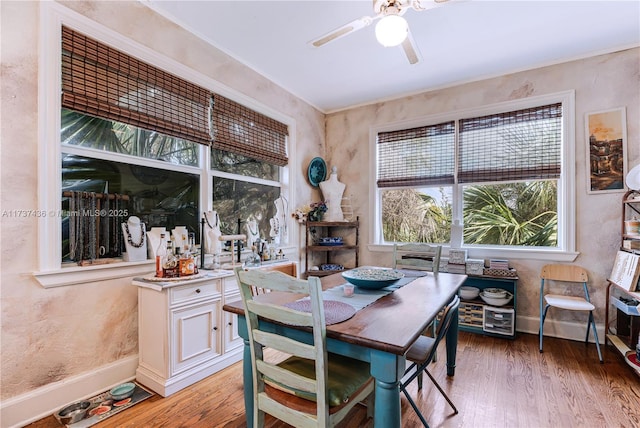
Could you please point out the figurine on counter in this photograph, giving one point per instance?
(213, 245)
(332, 191)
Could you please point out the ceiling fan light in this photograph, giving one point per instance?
(391, 30)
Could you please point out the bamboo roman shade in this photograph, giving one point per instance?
(101, 81)
(417, 156)
(519, 145)
(243, 131)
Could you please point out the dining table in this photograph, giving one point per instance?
(380, 334)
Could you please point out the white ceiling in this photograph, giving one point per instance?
(459, 41)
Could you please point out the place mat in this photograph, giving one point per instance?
(334, 312)
(363, 297)
(103, 403)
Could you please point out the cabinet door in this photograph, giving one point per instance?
(232, 339)
(195, 335)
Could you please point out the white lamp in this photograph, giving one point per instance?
(633, 178)
(391, 30)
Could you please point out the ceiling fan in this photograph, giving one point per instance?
(391, 30)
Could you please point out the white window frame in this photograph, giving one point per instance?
(53, 16)
(566, 249)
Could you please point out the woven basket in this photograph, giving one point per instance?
(500, 272)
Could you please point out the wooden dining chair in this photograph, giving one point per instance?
(311, 388)
(289, 269)
(574, 276)
(421, 354)
(417, 256)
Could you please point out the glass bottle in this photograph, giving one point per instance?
(161, 253)
(169, 266)
(253, 259)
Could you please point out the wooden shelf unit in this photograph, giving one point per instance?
(621, 342)
(477, 316)
(329, 252)
(630, 208)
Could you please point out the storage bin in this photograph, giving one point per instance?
(497, 320)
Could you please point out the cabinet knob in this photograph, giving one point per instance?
(230, 323)
(197, 290)
(215, 328)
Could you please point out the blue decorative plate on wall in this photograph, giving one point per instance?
(317, 171)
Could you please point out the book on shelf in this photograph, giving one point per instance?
(626, 270)
(631, 244)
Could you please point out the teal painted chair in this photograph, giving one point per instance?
(311, 388)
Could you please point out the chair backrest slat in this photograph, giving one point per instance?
(417, 256)
(567, 273)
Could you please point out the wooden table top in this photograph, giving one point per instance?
(393, 322)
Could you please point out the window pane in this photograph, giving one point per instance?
(523, 213)
(236, 201)
(416, 157)
(92, 132)
(160, 198)
(519, 145)
(417, 215)
(241, 165)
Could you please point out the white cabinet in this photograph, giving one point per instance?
(183, 334)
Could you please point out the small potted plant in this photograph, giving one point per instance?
(317, 211)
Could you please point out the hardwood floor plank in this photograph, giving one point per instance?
(498, 383)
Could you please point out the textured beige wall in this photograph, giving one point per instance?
(49, 335)
(600, 83)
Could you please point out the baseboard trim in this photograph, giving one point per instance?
(560, 329)
(41, 402)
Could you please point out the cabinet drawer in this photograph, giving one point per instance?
(501, 321)
(191, 292)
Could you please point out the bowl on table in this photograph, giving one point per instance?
(469, 293)
(372, 278)
(496, 301)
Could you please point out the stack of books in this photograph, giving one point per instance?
(498, 264)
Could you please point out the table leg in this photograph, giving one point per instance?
(452, 344)
(387, 369)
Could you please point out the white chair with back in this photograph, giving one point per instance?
(417, 256)
(311, 388)
(574, 276)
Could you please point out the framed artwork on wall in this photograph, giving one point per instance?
(606, 133)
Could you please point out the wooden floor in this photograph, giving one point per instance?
(498, 383)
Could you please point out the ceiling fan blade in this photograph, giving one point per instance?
(411, 49)
(342, 31)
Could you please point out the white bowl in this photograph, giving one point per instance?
(469, 293)
(497, 293)
(496, 301)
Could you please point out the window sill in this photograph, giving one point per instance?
(500, 253)
(86, 274)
